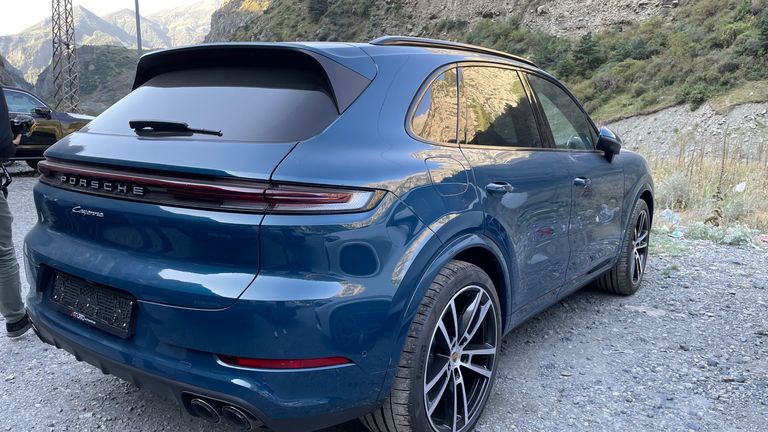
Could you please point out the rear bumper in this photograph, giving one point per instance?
(262, 394)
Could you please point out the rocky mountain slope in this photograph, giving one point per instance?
(30, 51)
(10, 76)
(106, 75)
(361, 20)
(153, 35)
(676, 131)
(186, 24)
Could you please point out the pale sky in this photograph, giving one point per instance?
(17, 15)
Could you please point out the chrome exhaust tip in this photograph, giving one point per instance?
(236, 418)
(204, 410)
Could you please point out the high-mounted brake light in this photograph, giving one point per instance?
(284, 363)
(214, 194)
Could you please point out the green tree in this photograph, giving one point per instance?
(586, 55)
(762, 37)
(317, 8)
(745, 8)
(634, 48)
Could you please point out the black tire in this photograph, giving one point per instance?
(458, 283)
(623, 278)
(32, 163)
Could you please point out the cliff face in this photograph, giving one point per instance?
(234, 15)
(106, 75)
(10, 77)
(187, 24)
(5, 78)
(361, 20)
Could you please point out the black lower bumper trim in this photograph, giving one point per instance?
(180, 391)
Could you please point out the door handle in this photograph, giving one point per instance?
(499, 188)
(582, 181)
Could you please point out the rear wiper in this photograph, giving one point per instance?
(167, 127)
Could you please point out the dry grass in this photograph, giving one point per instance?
(704, 188)
(751, 91)
(256, 6)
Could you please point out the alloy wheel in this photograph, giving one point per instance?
(461, 360)
(640, 247)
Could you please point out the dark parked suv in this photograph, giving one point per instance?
(51, 125)
(299, 234)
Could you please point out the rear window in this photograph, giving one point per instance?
(246, 104)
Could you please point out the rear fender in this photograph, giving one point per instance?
(641, 185)
(422, 277)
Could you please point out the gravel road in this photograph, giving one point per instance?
(688, 352)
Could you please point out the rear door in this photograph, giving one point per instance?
(597, 186)
(525, 188)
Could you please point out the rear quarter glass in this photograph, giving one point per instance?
(254, 104)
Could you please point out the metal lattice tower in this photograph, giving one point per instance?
(66, 80)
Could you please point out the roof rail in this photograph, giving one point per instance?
(435, 43)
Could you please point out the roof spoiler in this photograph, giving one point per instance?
(346, 81)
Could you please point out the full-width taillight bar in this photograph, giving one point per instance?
(256, 363)
(207, 193)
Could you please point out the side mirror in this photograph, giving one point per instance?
(43, 112)
(609, 143)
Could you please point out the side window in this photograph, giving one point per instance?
(21, 102)
(435, 116)
(570, 127)
(495, 110)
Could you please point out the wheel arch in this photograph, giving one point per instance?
(474, 248)
(484, 258)
(647, 196)
(643, 191)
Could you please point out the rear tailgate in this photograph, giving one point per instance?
(163, 254)
(168, 217)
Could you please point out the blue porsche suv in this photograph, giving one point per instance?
(293, 235)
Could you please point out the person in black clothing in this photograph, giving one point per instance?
(11, 305)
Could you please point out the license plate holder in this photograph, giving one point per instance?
(105, 308)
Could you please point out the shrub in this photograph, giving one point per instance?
(606, 82)
(744, 10)
(731, 32)
(451, 26)
(649, 99)
(738, 236)
(702, 231)
(639, 90)
(317, 8)
(739, 207)
(694, 94)
(675, 191)
(762, 35)
(728, 66)
(634, 48)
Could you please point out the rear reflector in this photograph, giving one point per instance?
(283, 363)
(214, 194)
